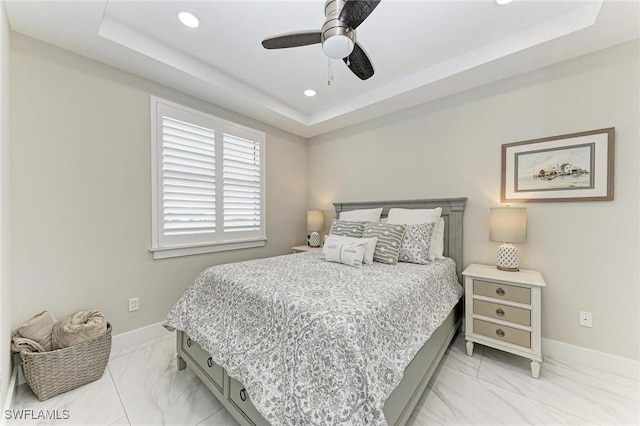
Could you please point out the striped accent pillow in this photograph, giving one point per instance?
(347, 229)
(389, 241)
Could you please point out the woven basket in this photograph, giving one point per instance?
(51, 373)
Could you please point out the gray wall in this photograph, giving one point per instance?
(82, 190)
(587, 252)
(5, 213)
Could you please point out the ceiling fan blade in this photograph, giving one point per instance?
(355, 11)
(292, 40)
(359, 63)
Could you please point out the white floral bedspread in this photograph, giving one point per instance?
(315, 342)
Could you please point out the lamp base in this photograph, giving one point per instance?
(507, 258)
(314, 239)
(502, 268)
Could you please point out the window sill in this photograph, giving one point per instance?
(177, 251)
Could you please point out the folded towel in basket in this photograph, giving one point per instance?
(22, 344)
(78, 328)
(38, 328)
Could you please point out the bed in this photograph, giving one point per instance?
(323, 343)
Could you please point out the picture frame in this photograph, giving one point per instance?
(571, 167)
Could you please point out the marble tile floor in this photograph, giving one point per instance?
(142, 386)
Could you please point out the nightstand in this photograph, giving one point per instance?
(503, 311)
(302, 249)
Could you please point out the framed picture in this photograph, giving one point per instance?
(574, 167)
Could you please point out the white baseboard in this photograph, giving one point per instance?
(124, 341)
(11, 393)
(594, 359)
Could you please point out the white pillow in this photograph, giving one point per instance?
(413, 216)
(370, 247)
(362, 215)
(348, 253)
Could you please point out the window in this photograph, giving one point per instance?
(208, 183)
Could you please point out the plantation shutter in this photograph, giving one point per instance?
(242, 185)
(188, 179)
(207, 183)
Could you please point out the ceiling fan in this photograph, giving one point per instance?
(337, 36)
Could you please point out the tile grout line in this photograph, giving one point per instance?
(119, 396)
(208, 417)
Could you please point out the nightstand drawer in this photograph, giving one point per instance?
(505, 313)
(501, 332)
(502, 291)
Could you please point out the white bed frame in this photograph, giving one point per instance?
(404, 398)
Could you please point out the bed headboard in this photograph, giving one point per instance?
(452, 211)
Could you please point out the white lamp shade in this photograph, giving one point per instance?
(315, 220)
(508, 224)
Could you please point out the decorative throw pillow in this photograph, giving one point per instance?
(362, 215)
(417, 216)
(416, 242)
(347, 229)
(370, 246)
(389, 241)
(340, 251)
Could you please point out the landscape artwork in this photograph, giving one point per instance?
(565, 168)
(571, 167)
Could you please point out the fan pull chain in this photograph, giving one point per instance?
(329, 72)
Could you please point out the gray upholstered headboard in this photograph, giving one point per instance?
(452, 211)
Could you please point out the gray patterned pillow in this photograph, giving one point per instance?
(416, 242)
(347, 229)
(389, 241)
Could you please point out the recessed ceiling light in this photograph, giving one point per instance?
(310, 92)
(188, 19)
(503, 2)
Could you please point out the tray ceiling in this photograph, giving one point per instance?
(421, 50)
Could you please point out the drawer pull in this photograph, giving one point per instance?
(499, 312)
(243, 394)
(500, 333)
(189, 342)
(500, 291)
(210, 362)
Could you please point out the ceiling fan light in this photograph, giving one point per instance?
(338, 46)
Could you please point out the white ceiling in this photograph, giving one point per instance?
(421, 50)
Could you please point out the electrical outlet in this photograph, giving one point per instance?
(586, 319)
(133, 304)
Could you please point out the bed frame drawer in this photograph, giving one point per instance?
(502, 332)
(203, 360)
(503, 312)
(502, 291)
(240, 399)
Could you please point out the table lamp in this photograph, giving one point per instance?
(508, 225)
(315, 223)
